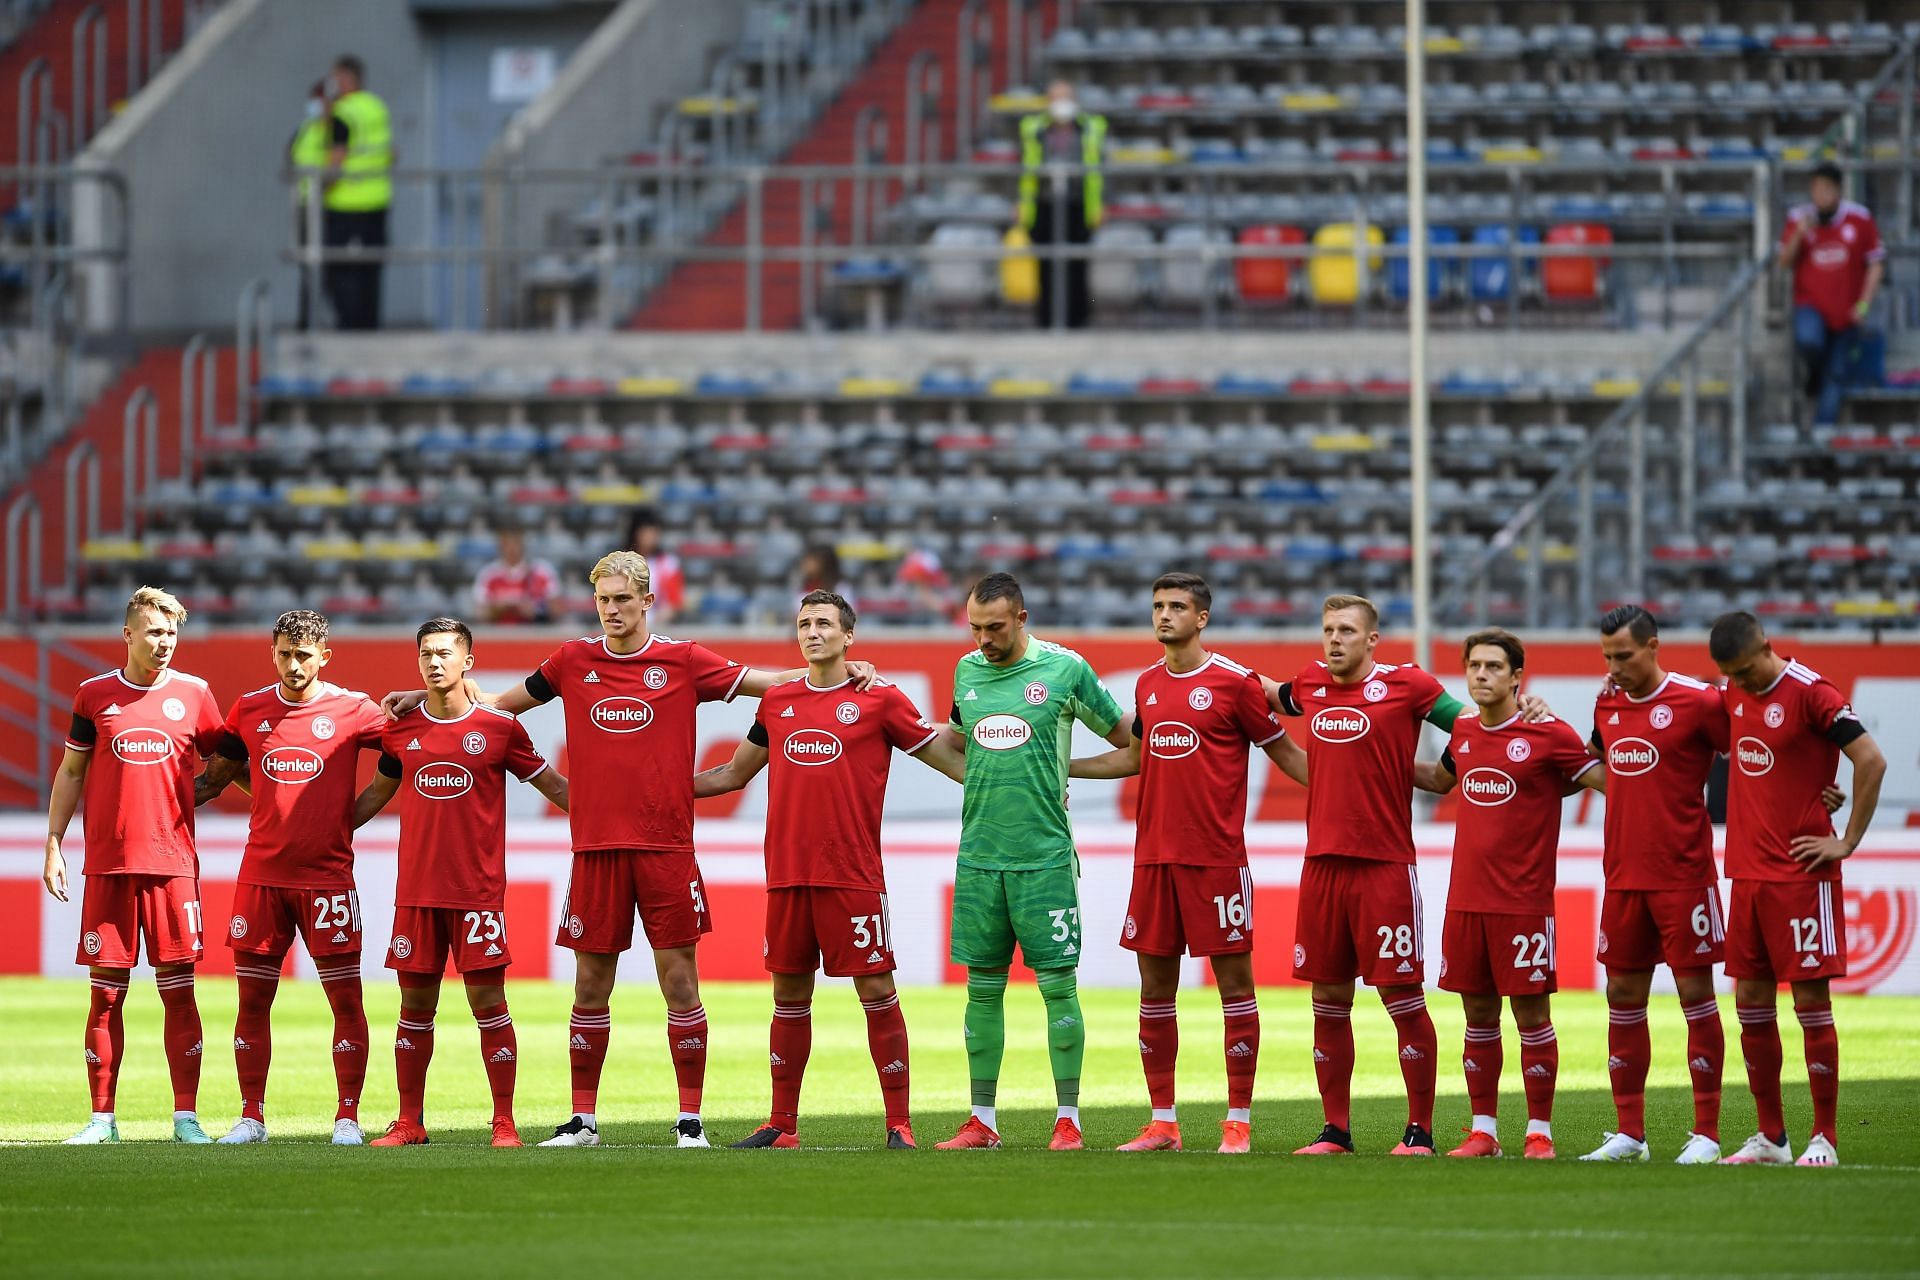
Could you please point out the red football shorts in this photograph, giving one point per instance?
(1786, 930)
(1643, 928)
(423, 937)
(116, 910)
(1204, 911)
(267, 918)
(845, 932)
(1359, 918)
(1493, 953)
(609, 885)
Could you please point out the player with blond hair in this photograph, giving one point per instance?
(135, 743)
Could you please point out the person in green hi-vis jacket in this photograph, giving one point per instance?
(1015, 699)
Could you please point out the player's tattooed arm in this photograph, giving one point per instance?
(372, 800)
(1121, 762)
(1290, 756)
(552, 784)
(219, 774)
(1869, 770)
(749, 758)
(69, 780)
(944, 753)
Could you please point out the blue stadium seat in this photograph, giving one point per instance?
(1488, 279)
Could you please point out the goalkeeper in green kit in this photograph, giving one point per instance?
(1015, 699)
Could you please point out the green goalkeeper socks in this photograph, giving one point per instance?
(1066, 1033)
(986, 1024)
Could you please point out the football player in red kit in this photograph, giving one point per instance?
(1785, 917)
(136, 741)
(830, 746)
(449, 758)
(1196, 713)
(298, 742)
(1499, 936)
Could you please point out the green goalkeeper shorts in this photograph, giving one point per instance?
(1040, 910)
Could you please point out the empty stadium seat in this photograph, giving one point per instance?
(1267, 281)
(1490, 279)
(1570, 279)
(1440, 271)
(1333, 273)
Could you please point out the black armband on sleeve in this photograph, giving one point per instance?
(231, 747)
(1446, 762)
(540, 689)
(1845, 729)
(953, 717)
(390, 765)
(1139, 730)
(757, 734)
(1287, 704)
(82, 730)
(1598, 745)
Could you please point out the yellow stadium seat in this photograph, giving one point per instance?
(1343, 442)
(615, 495)
(318, 495)
(858, 386)
(1021, 388)
(650, 386)
(1333, 273)
(114, 549)
(1019, 273)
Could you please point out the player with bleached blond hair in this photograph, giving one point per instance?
(134, 746)
(630, 697)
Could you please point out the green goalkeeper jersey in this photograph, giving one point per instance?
(1018, 721)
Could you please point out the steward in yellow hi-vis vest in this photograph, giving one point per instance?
(1062, 134)
(358, 195)
(309, 152)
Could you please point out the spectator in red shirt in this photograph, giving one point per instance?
(669, 583)
(1834, 250)
(513, 588)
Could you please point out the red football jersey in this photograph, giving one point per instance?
(1194, 729)
(302, 759)
(147, 742)
(828, 755)
(1831, 271)
(1508, 830)
(630, 721)
(1659, 750)
(1786, 747)
(1360, 741)
(453, 804)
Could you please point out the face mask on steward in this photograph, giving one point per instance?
(1063, 110)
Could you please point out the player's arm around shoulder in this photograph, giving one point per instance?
(374, 797)
(1121, 762)
(1433, 776)
(552, 784)
(749, 758)
(1289, 756)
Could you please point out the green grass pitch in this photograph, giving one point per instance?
(844, 1208)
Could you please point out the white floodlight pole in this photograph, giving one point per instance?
(1417, 394)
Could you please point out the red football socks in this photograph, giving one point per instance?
(412, 1054)
(789, 1043)
(1481, 1059)
(182, 1036)
(1159, 1050)
(1539, 1069)
(1242, 1018)
(1333, 1061)
(588, 1031)
(259, 980)
(500, 1051)
(1706, 1055)
(1760, 1046)
(1629, 1051)
(687, 1044)
(340, 979)
(1823, 1066)
(105, 1039)
(1419, 1054)
(887, 1042)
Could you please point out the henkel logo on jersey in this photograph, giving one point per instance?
(443, 781)
(1172, 740)
(1753, 756)
(291, 765)
(1340, 724)
(1631, 757)
(1489, 787)
(1880, 927)
(142, 746)
(812, 747)
(621, 714)
(1001, 732)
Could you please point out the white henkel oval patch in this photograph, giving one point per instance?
(812, 747)
(1631, 757)
(621, 715)
(292, 765)
(1001, 732)
(1340, 724)
(1172, 740)
(142, 746)
(443, 781)
(1489, 787)
(1753, 756)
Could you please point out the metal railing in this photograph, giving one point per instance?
(854, 214)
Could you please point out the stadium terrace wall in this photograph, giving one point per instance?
(1883, 880)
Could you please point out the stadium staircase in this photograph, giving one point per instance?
(705, 296)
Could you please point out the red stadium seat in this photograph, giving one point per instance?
(1575, 279)
(1267, 281)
